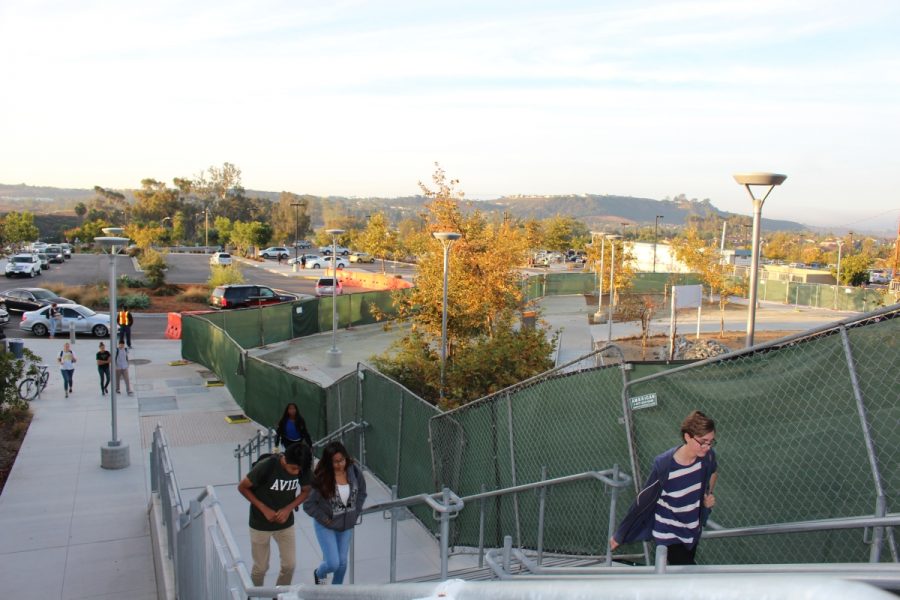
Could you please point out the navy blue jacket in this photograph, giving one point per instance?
(637, 526)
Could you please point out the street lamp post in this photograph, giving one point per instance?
(206, 239)
(114, 454)
(334, 355)
(655, 240)
(747, 180)
(446, 238)
(296, 206)
(840, 244)
(612, 284)
(598, 316)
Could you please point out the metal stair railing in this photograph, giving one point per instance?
(255, 445)
(884, 575)
(447, 505)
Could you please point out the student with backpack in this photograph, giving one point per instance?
(271, 487)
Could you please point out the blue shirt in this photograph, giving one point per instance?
(290, 430)
(677, 514)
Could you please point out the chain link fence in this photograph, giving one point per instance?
(808, 428)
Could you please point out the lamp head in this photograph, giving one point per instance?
(112, 242)
(112, 231)
(334, 231)
(759, 178)
(446, 236)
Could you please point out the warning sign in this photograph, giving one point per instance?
(645, 401)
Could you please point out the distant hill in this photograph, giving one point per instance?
(593, 210)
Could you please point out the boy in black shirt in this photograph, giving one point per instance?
(271, 487)
(103, 360)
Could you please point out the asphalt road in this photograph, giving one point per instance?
(84, 269)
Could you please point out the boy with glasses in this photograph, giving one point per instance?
(675, 502)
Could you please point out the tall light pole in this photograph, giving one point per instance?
(599, 314)
(612, 284)
(114, 454)
(840, 244)
(334, 355)
(296, 206)
(747, 180)
(446, 238)
(655, 240)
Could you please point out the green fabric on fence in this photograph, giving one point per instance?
(271, 388)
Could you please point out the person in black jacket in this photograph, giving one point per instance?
(674, 504)
(335, 503)
(291, 428)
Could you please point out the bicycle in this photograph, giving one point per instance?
(32, 386)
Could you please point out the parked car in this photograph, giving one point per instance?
(45, 260)
(246, 295)
(55, 253)
(341, 263)
(325, 287)
(25, 265)
(85, 320)
(326, 250)
(361, 257)
(4, 315)
(314, 261)
(222, 259)
(303, 244)
(67, 250)
(25, 299)
(275, 252)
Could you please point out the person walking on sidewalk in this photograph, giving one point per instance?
(125, 321)
(337, 498)
(271, 488)
(122, 364)
(67, 360)
(54, 317)
(103, 360)
(291, 428)
(677, 498)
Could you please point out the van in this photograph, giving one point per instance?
(325, 287)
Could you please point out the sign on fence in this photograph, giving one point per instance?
(645, 401)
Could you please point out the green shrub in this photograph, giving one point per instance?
(224, 276)
(139, 300)
(131, 282)
(154, 266)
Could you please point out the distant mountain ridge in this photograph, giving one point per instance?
(594, 210)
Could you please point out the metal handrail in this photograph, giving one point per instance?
(446, 503)
(255, 443)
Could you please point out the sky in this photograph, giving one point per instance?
(639, 98)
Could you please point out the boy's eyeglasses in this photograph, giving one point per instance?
(705, 443)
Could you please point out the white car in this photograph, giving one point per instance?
(4, 316)
(324, 262)
(275, 252)
(341, 250)
(85, 320)
(221, 259)
(26, 265)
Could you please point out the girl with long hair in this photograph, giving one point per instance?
(335, 503)
(291, 428)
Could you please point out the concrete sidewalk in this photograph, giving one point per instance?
(74, 530)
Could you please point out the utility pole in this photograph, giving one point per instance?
(655, 240)
(895, 276)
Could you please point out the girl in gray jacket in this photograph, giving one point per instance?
(335, 503)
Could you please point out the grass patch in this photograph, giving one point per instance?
(194, 293)
(225, 276)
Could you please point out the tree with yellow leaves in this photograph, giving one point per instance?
(704, 258)
(486, 350)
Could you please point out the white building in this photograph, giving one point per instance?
(642, 253)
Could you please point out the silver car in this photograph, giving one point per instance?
(4, 316)
(85, 320)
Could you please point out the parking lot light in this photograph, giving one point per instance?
(334, 355)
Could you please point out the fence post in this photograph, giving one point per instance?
(481, 530)
(662, 557)
(237, 454)
(394, 512)
(399, 439)
(878, 532)
(612, 514)
(445, 533)
(507, 552)
(541, 504)
(512, 466)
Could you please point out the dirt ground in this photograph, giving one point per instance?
(13, 425)
(733, 340)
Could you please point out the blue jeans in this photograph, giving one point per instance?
(68, 375)
(335, 547)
